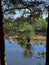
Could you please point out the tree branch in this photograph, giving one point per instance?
(25, 5)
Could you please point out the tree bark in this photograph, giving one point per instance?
(2, 45)
(48, 25)
(47, 41)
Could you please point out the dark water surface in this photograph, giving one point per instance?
(17, 55)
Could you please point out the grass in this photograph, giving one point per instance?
(35, 39)
(39, 37)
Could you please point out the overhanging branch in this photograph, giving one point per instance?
(27, 5)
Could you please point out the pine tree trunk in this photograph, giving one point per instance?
(47, 41)
(2, 45)
(47, 27)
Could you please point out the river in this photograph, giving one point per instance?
(18, 55)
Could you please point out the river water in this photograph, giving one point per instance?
(17, 55)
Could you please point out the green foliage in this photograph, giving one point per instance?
(40, 24)
(23, 28)
(43, 22)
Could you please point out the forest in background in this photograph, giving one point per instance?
(24, 27)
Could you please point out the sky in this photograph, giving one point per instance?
(18, 14)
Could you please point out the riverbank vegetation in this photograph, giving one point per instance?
(23, 27)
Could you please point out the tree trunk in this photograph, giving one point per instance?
(47, 27)
(2, 45)
(47, 41)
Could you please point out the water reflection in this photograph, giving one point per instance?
(28, 51)
(27, 47)
(27, 54)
